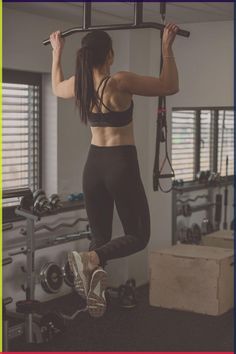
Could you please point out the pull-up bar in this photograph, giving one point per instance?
(138, 23)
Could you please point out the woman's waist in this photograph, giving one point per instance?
(112, 136)
(110, 154)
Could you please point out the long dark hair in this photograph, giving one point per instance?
(92, 54)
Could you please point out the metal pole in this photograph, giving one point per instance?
(30, 289)
(153, 25)
(138, 13)
(87, 6)
(163, 11)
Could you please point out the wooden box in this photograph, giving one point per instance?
(221, 238)
(192, 278)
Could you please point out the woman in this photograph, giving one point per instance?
(111, 174)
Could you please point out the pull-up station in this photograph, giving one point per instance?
(137, 23)
(161, 134)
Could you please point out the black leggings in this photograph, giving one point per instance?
(112, 174)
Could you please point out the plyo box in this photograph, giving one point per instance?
(192, 278)
(221, 238)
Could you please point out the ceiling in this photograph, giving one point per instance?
(122, 12)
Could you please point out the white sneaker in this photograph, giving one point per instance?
(82, 274)
(96, 300)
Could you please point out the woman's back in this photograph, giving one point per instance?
(111, 122)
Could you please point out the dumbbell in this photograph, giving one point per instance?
(54, 201)
(214, 178)
(5, 334)
(76, 196)
(52, 324)
(27, 201)
(124, 293)
(40, 201)
(196, 234)
(202, 176)
(178, 183)
(127, 295)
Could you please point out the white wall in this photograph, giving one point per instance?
(205, 63)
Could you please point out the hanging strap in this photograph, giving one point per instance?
(161, 134)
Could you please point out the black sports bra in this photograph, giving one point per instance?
(110, 118)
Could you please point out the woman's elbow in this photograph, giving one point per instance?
(55, 91)
(172, 91)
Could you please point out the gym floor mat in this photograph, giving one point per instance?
(143, 328)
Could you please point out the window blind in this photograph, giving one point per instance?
(183, 136)
(226, 141)
(20, 137)
(201, 140)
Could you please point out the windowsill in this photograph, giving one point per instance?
(9, 215)
(195, 185)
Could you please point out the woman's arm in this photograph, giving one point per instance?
(167, 84)
(60, 87)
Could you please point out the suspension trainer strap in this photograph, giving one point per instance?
(161, 134)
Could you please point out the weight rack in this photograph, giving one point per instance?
(179, 192)
(30, 250)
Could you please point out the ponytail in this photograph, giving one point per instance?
(85, 96)
(92, 54)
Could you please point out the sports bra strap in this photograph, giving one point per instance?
(100, 84)
(101, 97)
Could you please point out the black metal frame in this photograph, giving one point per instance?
(137, 23)
(29, 78)
(195, 187)
(197, 142)
(197, 147)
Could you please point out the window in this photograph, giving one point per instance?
(226, 141)
(202, 138)
(21, 135)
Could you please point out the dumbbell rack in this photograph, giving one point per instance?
(207, 206)
(5, 302)
(29, 251)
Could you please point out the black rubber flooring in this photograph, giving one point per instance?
(143, 328)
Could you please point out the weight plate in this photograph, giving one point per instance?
(28, 306)
(189, 236)
(51, 277)
(68, 275)
(181, 232)
(54, 201)
(206, 227)
(131, 282)
(196, 234)
(37, 193)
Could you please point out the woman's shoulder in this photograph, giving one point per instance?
(118, 79)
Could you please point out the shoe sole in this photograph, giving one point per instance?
(96, 300)
(77, 266)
